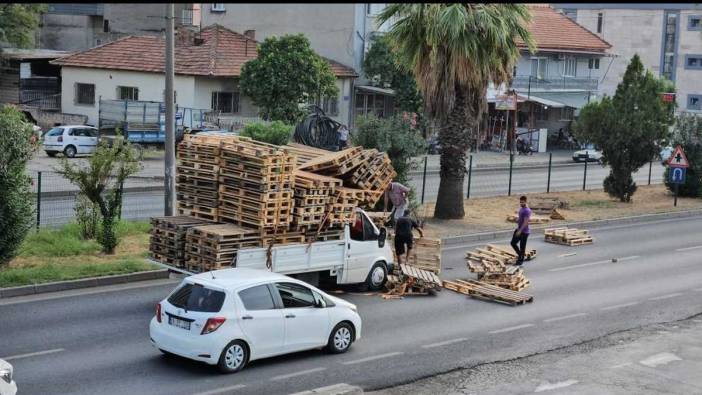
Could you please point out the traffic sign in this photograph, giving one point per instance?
(677, 175)
(678, 158)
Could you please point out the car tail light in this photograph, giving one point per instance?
(212, 325)
(60, 139)
(158, 312)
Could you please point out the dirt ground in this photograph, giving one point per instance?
(490, 214)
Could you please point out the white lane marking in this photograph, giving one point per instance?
(373, 358)
(619, 306)
(445, 343)
(688, 248)
(300, 373)
(660, 359)
(33, 354)
(565, 317)
(567, 255)
(341, 388)
(548, 386)
(621, 365)
(222, 390)
(665, 296)
(512, 328)
(626, 258)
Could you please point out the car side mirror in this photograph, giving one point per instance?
(381, 237)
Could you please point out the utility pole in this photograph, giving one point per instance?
(169, 178)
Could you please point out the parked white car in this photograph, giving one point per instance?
(588, 153)
(665, 154)
(233, 316)
(7, 384)
(71, 140)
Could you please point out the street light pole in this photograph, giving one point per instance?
(169, 177)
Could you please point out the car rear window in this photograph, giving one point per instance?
(55, 132)
(195, 297)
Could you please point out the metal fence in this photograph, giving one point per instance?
(143, 197)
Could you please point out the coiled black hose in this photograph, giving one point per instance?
(318, 131)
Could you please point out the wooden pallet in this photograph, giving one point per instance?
(533, 220)
(555, 214)
(309, 180)
(304, 153)
(332, 162)
(429, 279)
(567, 236)
(481, 290)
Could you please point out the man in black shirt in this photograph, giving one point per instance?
(403, 235)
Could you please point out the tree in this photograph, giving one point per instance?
(107, 169)
(276, 132)
(687, 133)
(628, 127)
(18, 23)
(286, 73)
(16, 208)
(454, 50)
(381, 63)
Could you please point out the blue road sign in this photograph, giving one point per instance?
(677, 175)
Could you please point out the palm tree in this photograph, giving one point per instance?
(454, 51)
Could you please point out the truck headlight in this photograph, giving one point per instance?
(6, 375)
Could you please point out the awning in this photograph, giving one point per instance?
(375, 89)
(570, 99)
(546, 102)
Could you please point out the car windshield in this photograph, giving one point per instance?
(195, 297)
(55, 132)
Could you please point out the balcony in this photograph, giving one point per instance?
(526, 82)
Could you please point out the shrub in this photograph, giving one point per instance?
(87, 216)
(276, 132)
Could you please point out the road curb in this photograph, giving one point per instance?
(458, 240)
(82, 283)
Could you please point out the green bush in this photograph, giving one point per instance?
(16, 203)
(87, 216)
(276, 132)
(687, 133)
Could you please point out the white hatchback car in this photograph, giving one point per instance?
(7, 384)
(233, 316)
(71, 140)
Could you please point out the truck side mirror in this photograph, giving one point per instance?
(381, 237)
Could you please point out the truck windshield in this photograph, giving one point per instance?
(195, 297)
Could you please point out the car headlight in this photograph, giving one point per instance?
(6, 374)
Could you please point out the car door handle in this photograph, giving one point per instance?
(290, 316)
(247, 317)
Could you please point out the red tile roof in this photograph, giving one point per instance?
(222, 54)
(552, 30)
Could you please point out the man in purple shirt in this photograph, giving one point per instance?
(522, 232)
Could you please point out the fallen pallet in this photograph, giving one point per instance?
(555, 214)
(567, 236)
(481, 290)
(533, 220)
(428, 278)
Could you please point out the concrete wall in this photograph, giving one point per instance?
(68, 32)
(204, 86)
(47, 119)
(150, 86)
(329, 27)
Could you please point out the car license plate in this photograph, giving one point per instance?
(178, 323)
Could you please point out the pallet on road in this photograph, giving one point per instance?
(568, 236)
(533, 220)
(477, 289)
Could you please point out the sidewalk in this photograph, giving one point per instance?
(656, 359)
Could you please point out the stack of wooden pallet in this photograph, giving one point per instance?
(411, 281)
(511, 278)
(374, 176)
(213, 247)
(197, 176)
(567, 236)
(491, 266)
(342, 205)
(256, 181)
(168, 238)
(425, 254)
(313, 192)
(478, 289)
(304, 153)
(335, 163)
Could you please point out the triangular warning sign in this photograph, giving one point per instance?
(678, 158)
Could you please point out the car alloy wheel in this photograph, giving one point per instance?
(234, 356)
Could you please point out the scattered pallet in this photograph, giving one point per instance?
(555, 214)
(567, 236)
(533, 220)
(477, 289)
(425, 254)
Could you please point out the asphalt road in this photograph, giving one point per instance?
(484, 182)
(98, 342)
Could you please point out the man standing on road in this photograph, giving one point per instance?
(522, 232)
(343, 137)
(403, 235)
(397, 193)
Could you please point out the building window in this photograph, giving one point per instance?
(127, 93)
(593, 64)
(330, 105)
(600, 21)
(217, 7)
(539, 68)
(187, 17)
(669, 45)
(225, 102)
(570, 66)
(85, 94)
(571, 13)
(694, 22)
(106, 26)
(693, 62)
(567, 113)
(694, 102)
(540, 112)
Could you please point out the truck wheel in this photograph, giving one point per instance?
(377, 277)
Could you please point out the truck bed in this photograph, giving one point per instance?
(295, 258)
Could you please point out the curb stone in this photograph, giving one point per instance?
(336, 389)
(83, 283)
(458, 240)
